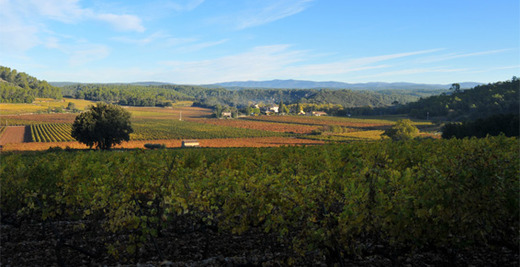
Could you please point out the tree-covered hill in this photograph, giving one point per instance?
(345, 98)
(158, 95)
(479, 102)
(19, 87)
(125, 94)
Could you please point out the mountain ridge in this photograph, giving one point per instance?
(303, 84)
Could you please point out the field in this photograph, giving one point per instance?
(422, 202)
(172, 124)
(287, 190)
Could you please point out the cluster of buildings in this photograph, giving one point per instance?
(275, 109)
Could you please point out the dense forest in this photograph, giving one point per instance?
(461, 105)
(125, 94)
(18, 87)
(160, 95)
(507, 124)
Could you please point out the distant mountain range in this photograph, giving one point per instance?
(301, 84)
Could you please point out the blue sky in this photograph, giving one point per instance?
(208, 41)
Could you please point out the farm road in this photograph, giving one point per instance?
(14, 135)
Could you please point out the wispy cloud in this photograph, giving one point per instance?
(514, 67)
(259, 12)
(259, 62)
(24, 22)
(414, 71)
(80, 52)
(350, 65)
(122, 22)
(199, 46)
(269, 62)
(164, 40)
(70, 11)
(455, 55)
(271, 11)
(141, 41)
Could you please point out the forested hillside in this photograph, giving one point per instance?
(345, 98)
(125, 94)
(19, 87)
(479, 102)
(154, 95)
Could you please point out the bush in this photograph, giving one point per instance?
(402, 130)
(155, 146)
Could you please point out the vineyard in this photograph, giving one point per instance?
(175, 129)
(262, 125)
(55, 132)
(185, 122)
(422, 202)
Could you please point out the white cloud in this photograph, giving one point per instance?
(24, 23)
(70, 11)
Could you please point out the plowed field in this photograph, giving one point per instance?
(13, 135)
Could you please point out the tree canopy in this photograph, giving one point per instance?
(479, 102)
(508, 124)
(402, 130)
(18, 87)
(102, 125)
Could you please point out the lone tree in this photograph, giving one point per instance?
(455, 87)
(103, 125)
(402, 130)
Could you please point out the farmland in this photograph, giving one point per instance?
(418, 201)
(185, 122)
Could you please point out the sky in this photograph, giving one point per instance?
(210, 41)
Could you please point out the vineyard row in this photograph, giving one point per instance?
(332, 202)
(51, 132)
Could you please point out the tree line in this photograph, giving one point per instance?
(480, 102)
(125, 94)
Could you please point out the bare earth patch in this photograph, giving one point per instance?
(13, 135)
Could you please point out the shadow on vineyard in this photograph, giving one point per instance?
(414, 203)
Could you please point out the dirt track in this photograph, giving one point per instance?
(14, 135)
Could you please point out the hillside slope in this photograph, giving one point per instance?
(19, 87)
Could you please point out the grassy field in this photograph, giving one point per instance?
(42, 105)
(185, 122)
